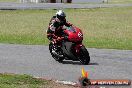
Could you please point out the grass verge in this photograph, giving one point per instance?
(27, 81)
(20, 81)
(9, 0)
(120, 1)
(102, 27)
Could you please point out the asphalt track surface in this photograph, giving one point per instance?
(36, 60)
(14, 6)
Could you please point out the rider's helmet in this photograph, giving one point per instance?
(60, 15)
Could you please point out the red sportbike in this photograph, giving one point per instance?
(70, 48)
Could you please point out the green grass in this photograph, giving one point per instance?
(9, 0)
(20, 81)
(102, 27)
(120, 1)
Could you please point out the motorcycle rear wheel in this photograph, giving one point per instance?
(56, 57)
(84, 56)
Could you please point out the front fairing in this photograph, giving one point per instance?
(74, 34)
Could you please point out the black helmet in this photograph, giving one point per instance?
(60, 15)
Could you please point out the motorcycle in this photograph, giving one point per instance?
(70, 48)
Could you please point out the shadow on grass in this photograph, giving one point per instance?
(77, 63)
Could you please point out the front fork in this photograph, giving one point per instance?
(77, 48)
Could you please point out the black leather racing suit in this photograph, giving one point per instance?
(55, 27)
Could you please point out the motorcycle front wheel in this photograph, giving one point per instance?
(84, 56)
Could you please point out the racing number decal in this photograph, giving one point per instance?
(80, 34)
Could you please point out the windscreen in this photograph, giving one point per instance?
(71, 29)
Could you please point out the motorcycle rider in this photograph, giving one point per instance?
(55, 29)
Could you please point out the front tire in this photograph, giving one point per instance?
(84, 56)
(55, 56)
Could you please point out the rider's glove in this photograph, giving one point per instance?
(60, 38)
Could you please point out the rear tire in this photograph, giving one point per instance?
(84, 56)
(56, 57)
